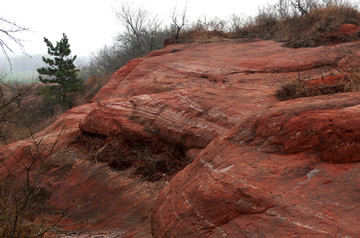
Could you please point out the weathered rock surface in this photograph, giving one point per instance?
(262, 167)
(325, 126)
(267, 177)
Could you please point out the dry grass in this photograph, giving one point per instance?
(309, 30)
(314, 29)
(153, 160)
(353, 82)
(297, 88)
(194, 36)
(319, 27)
(294, 88)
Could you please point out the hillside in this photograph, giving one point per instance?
(249, 164)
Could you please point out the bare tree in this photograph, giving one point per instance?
(235, 22)
(302, 6)
(178, 21)
(283, 9)
(107, 60)
(11, 94)
(9, 35)
(327, 3)
(217, 24)
(134, 22)
(289, 8)
(142, 32)
(153, 34)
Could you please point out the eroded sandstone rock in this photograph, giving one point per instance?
(261, 167)
(270, 176)
(234, 190)
(326, 126)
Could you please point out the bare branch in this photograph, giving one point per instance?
(178, 24)
(19, 203)
(8, 34)
(141, 30)
(297, 4)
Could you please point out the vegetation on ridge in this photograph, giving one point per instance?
(285, 23)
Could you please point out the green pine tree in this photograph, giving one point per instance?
(60, 76)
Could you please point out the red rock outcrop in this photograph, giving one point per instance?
(262, 167)
(103, 199)
(348, 29)
(325, 126)
(234, 190)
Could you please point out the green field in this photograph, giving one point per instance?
(23, 77)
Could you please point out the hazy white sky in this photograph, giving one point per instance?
(91, 24)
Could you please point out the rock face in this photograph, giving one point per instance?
(325, 127)
(261, 167)
(271, 176)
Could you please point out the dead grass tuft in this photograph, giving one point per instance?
(297, 88)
